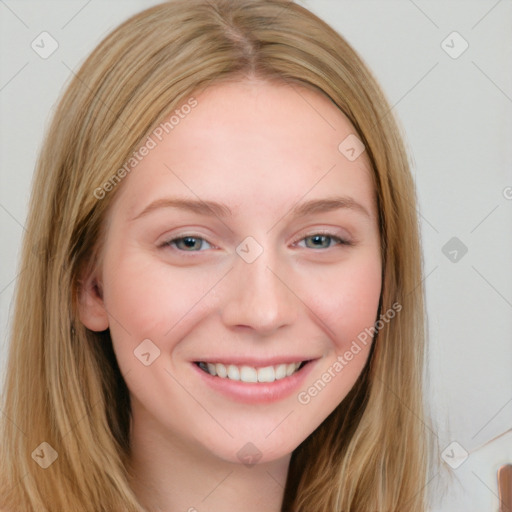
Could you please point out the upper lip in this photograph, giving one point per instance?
(254, 362)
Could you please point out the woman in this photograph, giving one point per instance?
(222, 305)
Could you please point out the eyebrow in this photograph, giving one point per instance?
(204, 207)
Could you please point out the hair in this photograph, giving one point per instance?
(63, 385)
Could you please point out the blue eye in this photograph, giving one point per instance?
(323, 241)
(195, 243)
(188, 243)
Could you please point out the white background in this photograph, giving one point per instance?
(456, 114)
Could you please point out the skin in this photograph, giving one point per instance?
(260, 148)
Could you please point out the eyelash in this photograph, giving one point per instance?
(337, 239)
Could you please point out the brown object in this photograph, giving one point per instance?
(505, 487)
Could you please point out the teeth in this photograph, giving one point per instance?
(280, 371)
(233, 372)
(266, 374)
(221, 370)
(249, 373)
(290, 369)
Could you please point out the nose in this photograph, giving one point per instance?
(260, 295)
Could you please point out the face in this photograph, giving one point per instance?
(246, 243)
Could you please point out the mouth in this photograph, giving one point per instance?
(245, 373)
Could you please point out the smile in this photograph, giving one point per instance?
(249, 373)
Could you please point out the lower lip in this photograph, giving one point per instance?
(256, 392)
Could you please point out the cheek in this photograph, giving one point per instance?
(347, 299)
(361, 300)
(145, 298)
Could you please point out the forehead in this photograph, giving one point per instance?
(251, 141)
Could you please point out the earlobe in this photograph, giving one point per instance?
(93, 313)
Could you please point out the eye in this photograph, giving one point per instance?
(191, 243)
(323, 241)
(186, 243)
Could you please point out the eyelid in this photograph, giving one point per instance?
(174, 238)
(342, 240)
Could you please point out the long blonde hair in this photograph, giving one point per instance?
(63, 386)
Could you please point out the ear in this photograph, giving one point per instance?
(93, 313)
